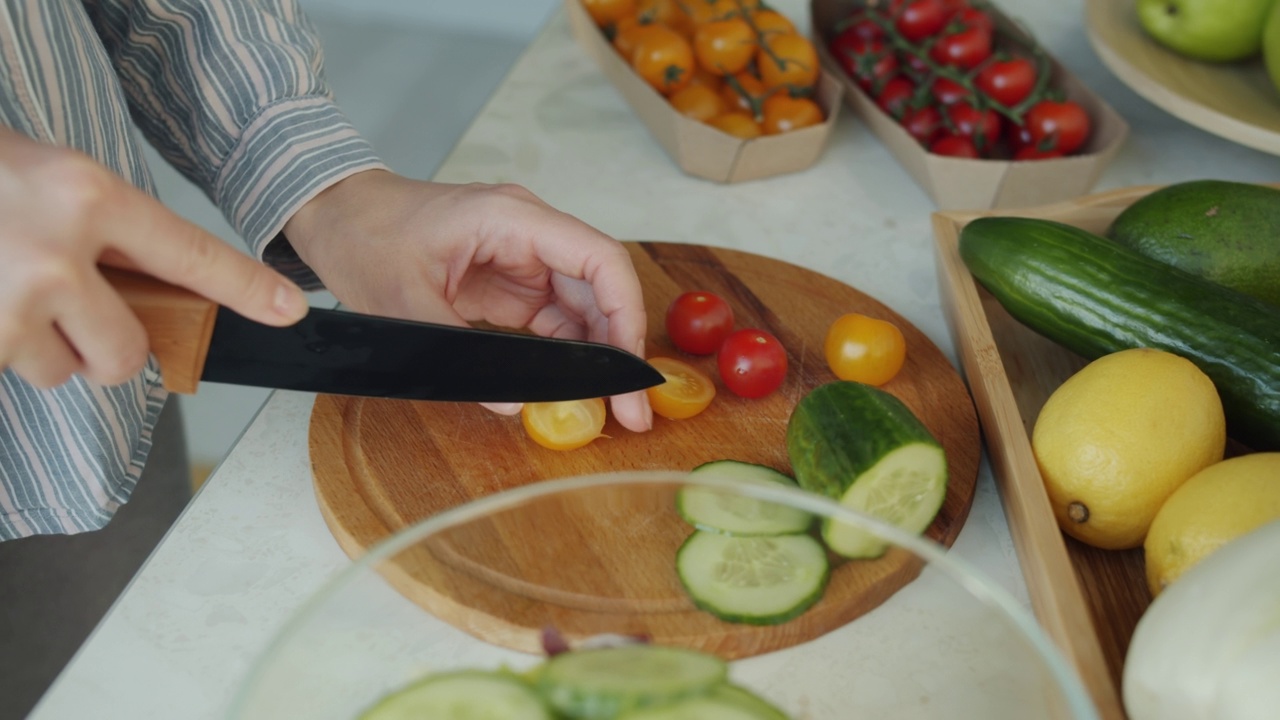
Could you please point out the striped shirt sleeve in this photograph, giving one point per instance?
(232, 93)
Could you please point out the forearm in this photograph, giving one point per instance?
(232, 93)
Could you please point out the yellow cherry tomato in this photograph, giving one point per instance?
(687, 391)
(564, 425)
(865, 349)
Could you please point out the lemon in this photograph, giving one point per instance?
(1219, 503)
(1119, 436)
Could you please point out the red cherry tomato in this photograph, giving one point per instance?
(965, 48)
(752, 363)
(1062, 126)
(983, 126)
(895, 94)
(923, 123)
(698, 321)
(948, 92)
(954, 146)
(1009, 82)
(974, 18)
(920, 19)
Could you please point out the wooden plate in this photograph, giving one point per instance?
(604, 562)
(1236, 101)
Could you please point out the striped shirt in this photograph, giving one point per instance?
(232, 93)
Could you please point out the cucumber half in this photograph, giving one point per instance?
(716, 510)
(754, 580)
(724, 702)
(906, 488)
(863, 447)
(601, 683)
(463, 695)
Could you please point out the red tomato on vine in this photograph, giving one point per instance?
(1007, 82)
(1062, 126)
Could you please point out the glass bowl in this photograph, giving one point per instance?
(596, 561)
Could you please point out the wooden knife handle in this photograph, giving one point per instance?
(179, 325)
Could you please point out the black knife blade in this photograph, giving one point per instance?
(347, 353)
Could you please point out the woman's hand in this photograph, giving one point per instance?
(456, 254)
(61, 215)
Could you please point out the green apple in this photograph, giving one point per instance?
(1271, 45)
(1212, 30)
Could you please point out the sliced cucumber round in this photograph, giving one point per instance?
(463, 695)
(599, 684)
(725, 702)
(754, 580)
(719, 510)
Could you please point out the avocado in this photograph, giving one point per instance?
(1226, 232)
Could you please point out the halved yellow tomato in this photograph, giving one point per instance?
(687, 391)
(564, 425)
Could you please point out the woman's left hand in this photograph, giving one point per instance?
(456, 254)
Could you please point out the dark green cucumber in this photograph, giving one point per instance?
(1095, 297)
(862, 446)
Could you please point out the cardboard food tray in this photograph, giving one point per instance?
(697, 148)
(968, 184)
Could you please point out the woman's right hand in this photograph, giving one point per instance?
(61, 215)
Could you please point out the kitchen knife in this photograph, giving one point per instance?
(347, 353)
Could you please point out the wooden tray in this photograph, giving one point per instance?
(1236, 101)
(1088, 600)
(380, 465)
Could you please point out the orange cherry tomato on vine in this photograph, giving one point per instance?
(744, 92)
(664, 58)
(724, 47)
(627, 35)
(665, 12)
(771, 22)
(864, 349)
(788, 61)
(783, 113)
(698, 102)
(698, 321)
(752, 363)
(686, 392)
(564, 425)
(738, 124)
(607, 12)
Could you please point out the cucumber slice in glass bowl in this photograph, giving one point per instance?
(601, 597)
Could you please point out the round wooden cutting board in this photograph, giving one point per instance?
(603, 561)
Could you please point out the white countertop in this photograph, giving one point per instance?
(252, 546)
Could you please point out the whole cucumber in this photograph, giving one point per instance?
(1095, 297)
